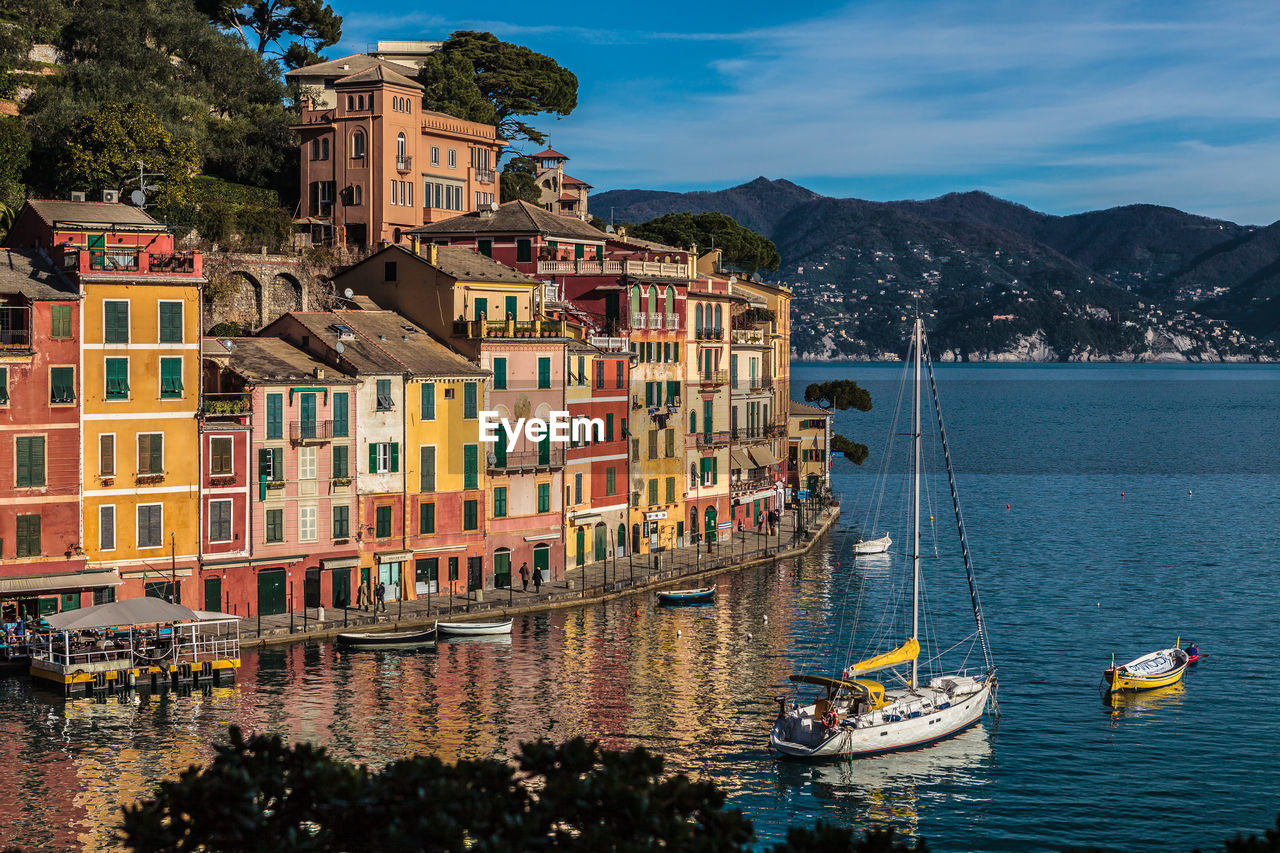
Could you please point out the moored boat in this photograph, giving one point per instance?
(1157, 669)
(474, 629)
(697, 595)
(872, 546)
(388, 639)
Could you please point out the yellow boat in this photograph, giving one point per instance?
(1157, 669)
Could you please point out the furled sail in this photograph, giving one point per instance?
(905, 653)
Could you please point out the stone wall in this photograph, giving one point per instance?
(253, 290)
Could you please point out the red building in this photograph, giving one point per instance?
(41, 552)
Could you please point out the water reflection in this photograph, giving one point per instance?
(1144, 703)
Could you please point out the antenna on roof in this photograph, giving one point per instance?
(349, 293)
(340, 347)
(493, 205)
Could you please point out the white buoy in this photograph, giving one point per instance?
(678, 633)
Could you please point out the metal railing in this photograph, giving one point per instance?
(513, 328)
(655, 321)
(15, 327)
(610, 344)
(714, 377)
(706, 333)
(712, 439)
(747, 336)
(484, 176)
(225, 404)
(673, 321)
(527, 460)
(404, 162)
(301, 432)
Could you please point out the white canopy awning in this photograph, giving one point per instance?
(69, 582)
(131, 611)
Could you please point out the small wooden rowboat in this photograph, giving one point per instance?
(700, 595)
(872, 546)
(389, 639)
(474, 629)
(1157, 669)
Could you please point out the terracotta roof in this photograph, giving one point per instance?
(549, 153)
(514, 217)
(568, 197)
(25, 272)
(568, 181)
(645, 244)
(269, 361)
(378, 343)
(466, 265)
(345, 66)
(377, 74)
(92, 213)
(805, 409)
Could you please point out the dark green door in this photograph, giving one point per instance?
(213, 594)
(542, 560)
(482, 309)
(341, 587)
(611, 311)
(602, 544)
(97, 242)
(709, 527)
(511, 308)
(271, 592)
(71, 601)
(544, 451)
(501, 569)
(308, 415)
(581, 544)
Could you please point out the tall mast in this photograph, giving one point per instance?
(918, 344)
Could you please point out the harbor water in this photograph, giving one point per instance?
(1069, 570)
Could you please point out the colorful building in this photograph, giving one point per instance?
(139, 380)
(596, 472)
(278, 437)
(707, 313)
(42, 561)
(809, 440)
(374, 163)
(562, 194)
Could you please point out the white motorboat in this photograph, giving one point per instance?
(872, 546)
(854, 716)
(474, 629)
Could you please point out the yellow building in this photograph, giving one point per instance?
(808, 462)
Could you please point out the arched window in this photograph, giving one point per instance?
(693, 517)
(693, 421)
(357, 144)
(351, 103)
(357, 195)
(653, 300)
(324, 148)
(400, 142)
(718, 325)
(359, 102)
(693, 482)
(635, 299)
(315, 149)
(671, 301)
(698, 314)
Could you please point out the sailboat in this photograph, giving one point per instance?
(855, 716)
(872, 546)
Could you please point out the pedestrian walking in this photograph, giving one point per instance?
(362, 596)
(380, 597)
(537, 579)
(524, 576)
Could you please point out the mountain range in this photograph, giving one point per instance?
(999, 281)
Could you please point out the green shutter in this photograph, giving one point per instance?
(544, 373)
(524, 251)
(62, 387)
(307, 415)
(340, 468)
(500, 373)
(117, 378)
(470, 520)
(653, 492)
(60, 321)
(511, 306)
(428, 401)
(470, 462)
(275, 416)
(579, 251)
(544, 497)
(482, 307)
(170, 377)
(500, 452)
(395, 457)
(469, 400)
(373, 458)
(29, 450)
(340, 409)
(170, 322)
(155, 454)
(671, 490)
(500, 502)
(608, 426)
(610, 481)
(116, 322)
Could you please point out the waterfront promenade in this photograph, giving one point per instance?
(596, 581)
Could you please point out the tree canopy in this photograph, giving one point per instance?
(519, 181)
(478, 77)
(292, 31)
(259, 794)
(842, 395)
(741, 248)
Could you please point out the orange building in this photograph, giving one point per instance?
(375, 163)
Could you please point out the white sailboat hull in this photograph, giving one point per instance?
(873, 546)
(799, 734)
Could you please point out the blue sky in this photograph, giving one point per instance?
(1060, 106)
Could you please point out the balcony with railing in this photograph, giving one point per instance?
(673, 321)
(707, 333)
(15, 328)
(714, 438)
(524, 461)
(654, 269)
(225, 404)
(749, 434)
(485, 176)
(655, 321)
(132, 260)
(570, 267)
(404, 162)
(515, 329)
(713, 377)
(751, 483)
(609, 344)
(747, 337)
(310, 432)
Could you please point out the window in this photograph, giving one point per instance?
(427, 469)
(341, 522)
(117, 378)
(611, 481)
(617, 379)
(357, 144)
(469, 401)
(426, 518)
(653, 444)
(453, 158)
(4, 386)
(544, 373)
(275, 525)
(384, 457)
(382, 522)
(400, 146)
(170, 378)
(470, 515)
(500, 502)
(170, 322)
(275, 416)
(470, 466)
(115, 329)
(577, 489)
(315, 149)
(357, 195)
(524, 251)
(306, 463)
(150, 525)
(324, 148)
(219, 521)
(384, 395)
(389, 267)
(341, 406)
(271, 464)
(62, 385)
(435, 158)
(151, 453)
(453, 568)
(500, 373)
(106, 455)
(220, 455)
(671, 490)
(107, 527)
(544, 497)
(653, 492)
(608, 426)
(670, 442)
(341, 465)
(28, 534)
(307, 524)
(60, 321)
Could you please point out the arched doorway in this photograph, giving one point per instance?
(622, 540)
(635, 538)
(710, 525)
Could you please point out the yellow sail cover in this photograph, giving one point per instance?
(908, 651)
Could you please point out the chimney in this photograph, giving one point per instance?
(319, 373)
(433, 253)
(415, 243)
